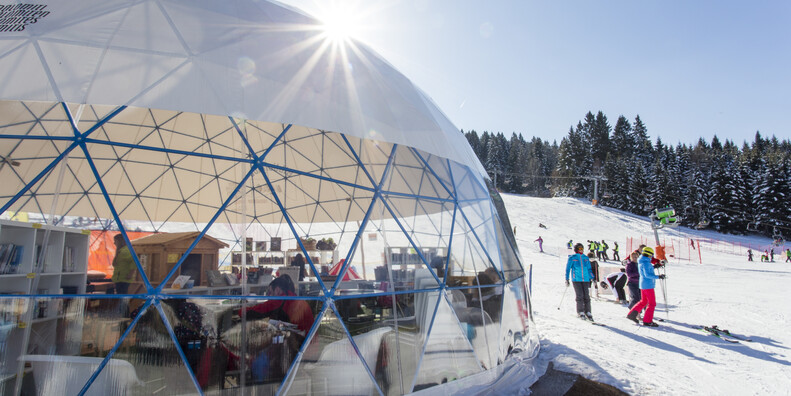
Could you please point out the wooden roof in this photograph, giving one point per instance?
(167, 238)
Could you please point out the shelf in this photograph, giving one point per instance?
(55, 247)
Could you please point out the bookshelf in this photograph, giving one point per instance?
(62, 270)
(276, 259)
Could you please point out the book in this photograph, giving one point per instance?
(180, 282)
(13, 256)
(260, 246)
(68, 259)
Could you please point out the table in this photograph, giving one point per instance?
(257, 289)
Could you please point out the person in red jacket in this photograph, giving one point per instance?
(297, 312)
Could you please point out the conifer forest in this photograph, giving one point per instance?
(717, 185)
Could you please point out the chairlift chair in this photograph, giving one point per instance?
(702, 224)
(752, 226)
(777, 236)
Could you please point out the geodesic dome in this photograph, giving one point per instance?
(221, 140)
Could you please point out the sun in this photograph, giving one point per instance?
(342, 20)
(340, 27)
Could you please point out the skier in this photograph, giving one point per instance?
(633, 279)
(692, 242)
(604, 248)
(615, 255)
(580, 269)
(591, 246)
(595, 269)
(647, 283)
(542, 226)
(616, 281)
(772, 255)
(540, 243)
(749, 255)
(788, 255)
(765, 256)
(570, 245)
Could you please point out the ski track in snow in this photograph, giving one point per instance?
(747, 298)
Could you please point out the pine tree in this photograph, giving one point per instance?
(599, 141)
(639, 190)
(621, 139)
(658, 197)
(642, 144)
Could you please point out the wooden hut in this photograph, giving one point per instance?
(160, 252)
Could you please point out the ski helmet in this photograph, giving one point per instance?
(648, 251)
(579, 247)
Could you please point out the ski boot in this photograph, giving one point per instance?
(632, 316)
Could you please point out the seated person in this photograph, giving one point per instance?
(297, 312)
(299, 261)
(271, 363)
(438, 263)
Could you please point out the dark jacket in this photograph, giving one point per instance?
(632, 273)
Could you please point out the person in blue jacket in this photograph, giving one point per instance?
(579, 266)
(647, 283)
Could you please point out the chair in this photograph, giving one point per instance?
(66, 375)
(292, 272)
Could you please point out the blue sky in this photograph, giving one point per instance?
(689, 68)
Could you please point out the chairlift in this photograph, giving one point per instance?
(702, 224)
(752, 226)
(777, 236)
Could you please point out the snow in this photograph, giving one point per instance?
(748, 298)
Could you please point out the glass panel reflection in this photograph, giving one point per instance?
(448, 354)
(330, 365)
(390, 332)
(64, 340)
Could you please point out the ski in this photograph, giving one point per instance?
(718, 334)
(591, 322)
(728, 333)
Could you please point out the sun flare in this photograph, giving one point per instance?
(342, 20)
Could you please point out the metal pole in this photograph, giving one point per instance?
(596, 189)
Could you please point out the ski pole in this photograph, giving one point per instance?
(664, 293)
(564, 296)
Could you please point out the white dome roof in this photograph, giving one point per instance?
(252, 59)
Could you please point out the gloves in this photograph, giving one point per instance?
(567, 283)
(661, 276)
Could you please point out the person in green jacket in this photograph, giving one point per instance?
(124, 269)
(615, 255)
